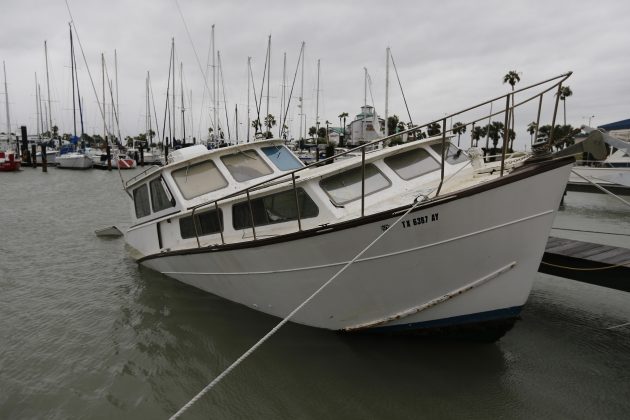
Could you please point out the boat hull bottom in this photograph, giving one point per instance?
(486, 326)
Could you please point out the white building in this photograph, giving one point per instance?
(367, 126)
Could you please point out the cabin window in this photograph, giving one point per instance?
(200, 178)
(141, 201)
(453, 153)
(275, 208)
(246, 165)
(282, 158)
(207, 223)
(412, 164)
(346, 186)
(161, 198)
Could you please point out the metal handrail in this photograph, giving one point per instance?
(508, 109)
(146, 171)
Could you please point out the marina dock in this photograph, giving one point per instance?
(597, 264)
(590, 188)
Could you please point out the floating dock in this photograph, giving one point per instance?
(602, 265)
(590, 188)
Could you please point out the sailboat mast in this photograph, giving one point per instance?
(173, 63)
(386, 90)
(283, 100)
(192, 122)
(227, 119)
(6, 102)
(181, 80)
(236, 121)
(302, 95)
(74, 105)
(41, 113)
(117, 110)
(48, 88)
(268, 75)
(37, 109)
(363, 120)
(317, 101)
(104, 103)
(147, 120)
(215, 101)
(76, 76)
(249, 69)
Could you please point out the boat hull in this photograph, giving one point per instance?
(9, 162)
(469, 258)
(123, 163)
(74, 161)
(613, 178)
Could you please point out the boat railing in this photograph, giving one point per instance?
(151, 169)
(438, 125)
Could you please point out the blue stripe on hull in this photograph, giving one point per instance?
(461, 321)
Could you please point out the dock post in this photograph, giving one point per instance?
(44, 158)
(26, 154)
(142, 156)
(34, 155)
(108, 152)
(166, 154)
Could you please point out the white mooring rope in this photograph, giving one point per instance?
(287, 318)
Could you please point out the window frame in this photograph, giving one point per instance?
(199, 231)
(244, 152)
(275, 162)
(258, 205)
(388, 159)
(166, 189)
(174, 173)
(447, 158)
(145, 188)
(358, 197)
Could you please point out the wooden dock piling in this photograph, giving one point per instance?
(44, 158)
(34, 155)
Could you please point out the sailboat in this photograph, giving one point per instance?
(9, 159)
(76, 159)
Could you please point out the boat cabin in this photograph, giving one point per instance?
(264, 184)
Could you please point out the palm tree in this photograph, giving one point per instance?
(434, 129)
(343, 116)
(459, 129)
(565, 92)
(531, 129)
(477, 133)
(270, 121)
(494, 133)
(255, 124)
(512, 77)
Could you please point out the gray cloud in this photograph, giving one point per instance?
(449, 54)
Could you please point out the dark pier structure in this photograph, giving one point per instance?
(602, 265)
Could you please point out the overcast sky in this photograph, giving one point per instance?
(449, 55)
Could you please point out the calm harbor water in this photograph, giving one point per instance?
(86, 333)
